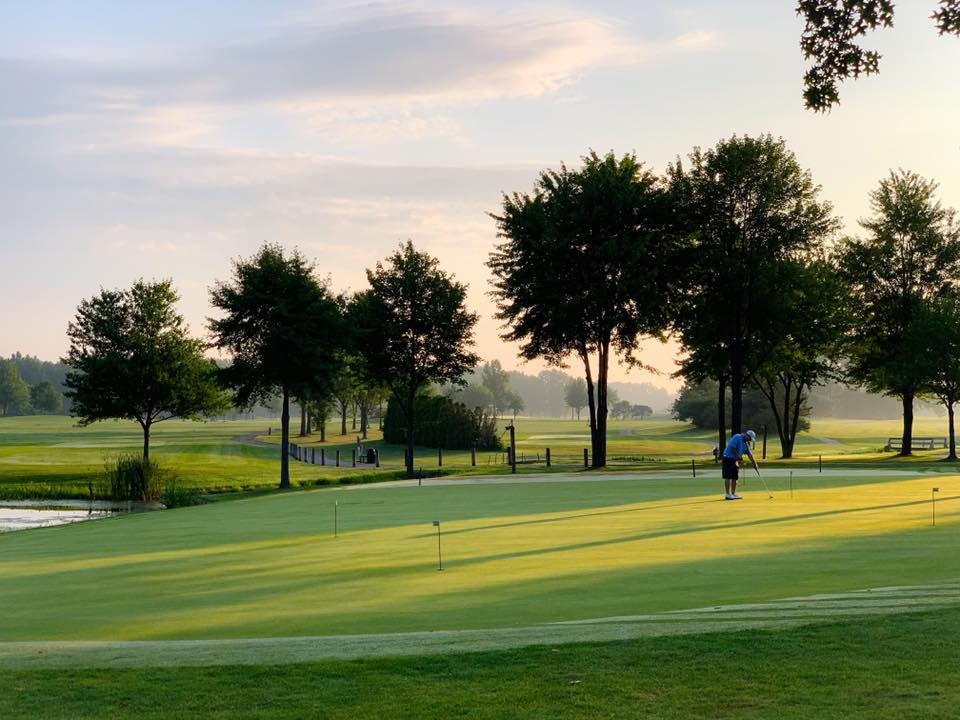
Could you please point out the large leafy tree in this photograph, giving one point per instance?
(131, 357)
(748, 210)
(414, 328)
(940, 323)
(586, 270)
(283, 329)
(812, 322)
(14, 393)
(910, 257)
(830, 37)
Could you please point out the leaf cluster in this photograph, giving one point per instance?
(586, 260)
(412, 326)
(831, 31)
(131, 357)
(281, 325)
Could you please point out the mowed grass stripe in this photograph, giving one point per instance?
(285, 650)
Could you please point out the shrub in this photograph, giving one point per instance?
(175, 495)
(441, 422)
(130, 477)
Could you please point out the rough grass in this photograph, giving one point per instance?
(891, 667)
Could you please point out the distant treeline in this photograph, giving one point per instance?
(30, 386)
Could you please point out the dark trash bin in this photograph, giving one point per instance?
(371, 456)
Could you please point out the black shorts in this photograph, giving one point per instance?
(731, 470)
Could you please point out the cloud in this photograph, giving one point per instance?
(374, 75)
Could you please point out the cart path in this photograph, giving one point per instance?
(786, 613)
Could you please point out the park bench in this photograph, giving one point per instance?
(919, 443)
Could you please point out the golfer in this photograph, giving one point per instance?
(738, 446)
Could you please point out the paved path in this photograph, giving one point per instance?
(786, 613)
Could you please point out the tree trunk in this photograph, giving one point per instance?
(411, 410)
(146, 441)
(303, 420)
(600, 454)
(736, 400)
(343, 419)
(354, 425)
(906, 447)
(285, 440)
(380, 414)
(722, 414)
(953, 441)
(323, 426)
(363, 420)
(591, 403)
(309, 422)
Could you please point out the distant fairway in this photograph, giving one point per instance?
(515, 555)
(53, 457)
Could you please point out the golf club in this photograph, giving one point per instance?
(769, 494)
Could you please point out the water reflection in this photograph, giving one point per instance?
(25, 518)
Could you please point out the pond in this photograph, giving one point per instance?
(28, 514)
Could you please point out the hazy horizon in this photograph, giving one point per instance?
(137, 142)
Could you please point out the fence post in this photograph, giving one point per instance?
(548, 457)
(820, 463)
(353, 457)
(473, 456)
(586, 458)
(693, 464)
(338, 458)
(323, 456)
(439, 457)
(376, 455)
(313, 456)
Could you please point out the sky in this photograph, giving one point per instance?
(165, 140)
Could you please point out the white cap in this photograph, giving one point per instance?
(753, 435)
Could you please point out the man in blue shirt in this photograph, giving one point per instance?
(738, 446)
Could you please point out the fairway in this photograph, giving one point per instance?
(516, 556)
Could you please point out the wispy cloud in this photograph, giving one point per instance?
(378, 74)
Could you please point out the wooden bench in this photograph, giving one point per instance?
(919, 443)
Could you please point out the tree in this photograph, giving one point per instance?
(829, 39)
(940, 320)
(496, 380)
(131, 358)
(747, 208)
(415, 329)
(515, 403)
(284, 330)
(575, 395)
(621, 410)
(642, 411)
(812, 322)
(474, 397)
(45, 398)
(343, 390)
(585, 270)
(910, 257)
(14, 393)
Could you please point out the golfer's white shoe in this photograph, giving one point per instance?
(728, 496)
(736, 497)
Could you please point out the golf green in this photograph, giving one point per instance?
(515, 555)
